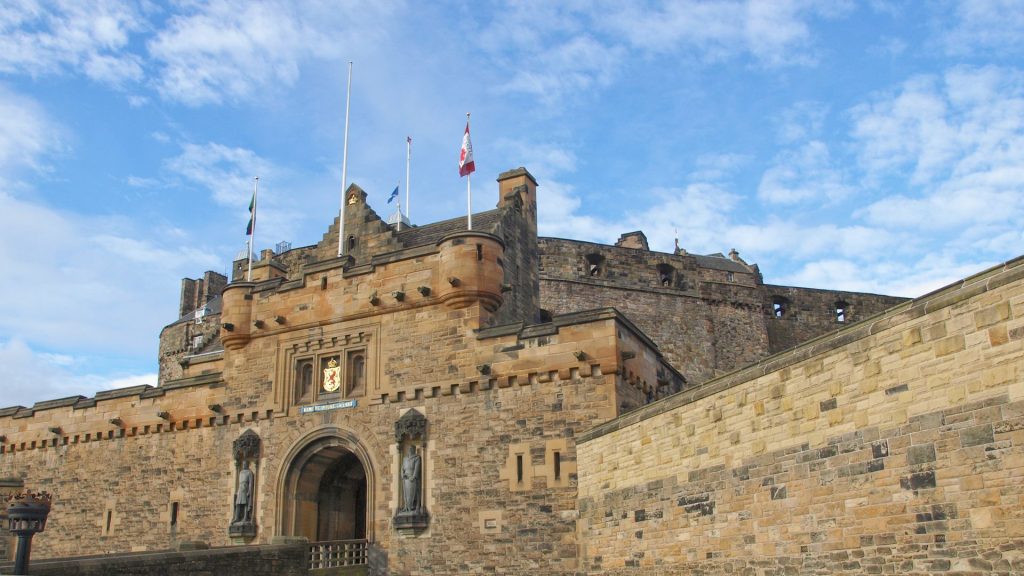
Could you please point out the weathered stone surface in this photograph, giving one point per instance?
(922, 478)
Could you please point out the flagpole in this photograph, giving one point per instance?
(399, 200)
(344, 165)
(469, 192)
(408, 158)
(252, 236)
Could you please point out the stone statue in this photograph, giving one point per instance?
(244, 495)
(411, 481)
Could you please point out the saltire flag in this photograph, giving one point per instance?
(394, 194)
(252, 215)
(466, 165)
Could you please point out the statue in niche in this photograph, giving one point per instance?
(411, 475)
(244, 495)
(411, 431)
(247, 453)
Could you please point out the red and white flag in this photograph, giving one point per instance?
(466, 164)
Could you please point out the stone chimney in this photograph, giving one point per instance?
(518, 180)
(636, 240)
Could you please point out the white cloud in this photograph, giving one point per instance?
(773, 33)
(27, 134)
(232, 49)
(555, 50)
(802, 121)
(985, 26)
(960, 142)
(887, 276)
(226, 172)
(88, 283)
(39, 38)
(573, 67)
(717, 167)
(30, 376)
(802, 174)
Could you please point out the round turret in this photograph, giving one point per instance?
(236, 315)
(471, 269)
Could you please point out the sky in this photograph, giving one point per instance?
(867, 146)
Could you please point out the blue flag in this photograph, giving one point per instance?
(394, 194)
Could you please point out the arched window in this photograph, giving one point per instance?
(356, 373)
(842, 311)
(351, 242)
(666, 275)
(595, 265)
(304, 381)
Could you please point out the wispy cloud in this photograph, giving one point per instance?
(30, 376)
(87, 286)
(27, 134)
(39, 38)
(771, 33)
(959, 140)
(227, 172)
(806, 173)
(992, 26)
(230, 50)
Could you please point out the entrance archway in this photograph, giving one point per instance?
(327, 489)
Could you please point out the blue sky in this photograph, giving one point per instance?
(874, 146)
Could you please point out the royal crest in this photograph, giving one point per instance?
(332, 376)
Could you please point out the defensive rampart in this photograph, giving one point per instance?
(893, 446)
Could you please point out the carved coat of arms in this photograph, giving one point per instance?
(332, 376)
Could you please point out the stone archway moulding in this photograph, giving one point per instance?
(300, 453)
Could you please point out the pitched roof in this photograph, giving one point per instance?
(432, 233)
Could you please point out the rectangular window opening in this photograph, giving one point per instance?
(110, 516)
(558, 465)
(519, 468)
(174, 513)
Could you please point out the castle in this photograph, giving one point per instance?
(445, 400)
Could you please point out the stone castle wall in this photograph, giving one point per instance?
(704, 324)
(894, 446)
(504, 404)
(808, 313)
(116, 485)
(709, 314)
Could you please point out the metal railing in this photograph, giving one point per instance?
(337, 553)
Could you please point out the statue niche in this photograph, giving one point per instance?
(411, 437)
(247, 454)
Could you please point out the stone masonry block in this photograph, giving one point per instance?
(911, 337)
(992, 315)
(998, 335)
(949, 345)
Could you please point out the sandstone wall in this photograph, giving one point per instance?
(893, 446)
(281, 560)
(503, 403)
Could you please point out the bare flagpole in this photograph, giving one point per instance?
(252, 226)
(408, 159)
(344, 165)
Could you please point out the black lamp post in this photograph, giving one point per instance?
(26, 515)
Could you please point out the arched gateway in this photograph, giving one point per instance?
(326, 489)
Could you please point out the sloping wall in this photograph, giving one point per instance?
(895, 445)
